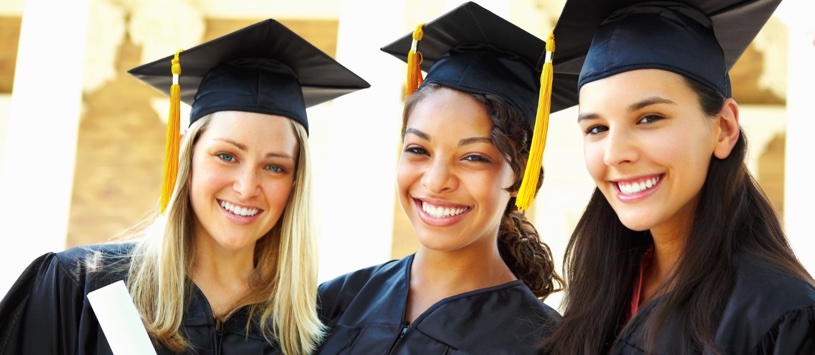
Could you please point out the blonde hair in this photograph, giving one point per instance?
(283, 295)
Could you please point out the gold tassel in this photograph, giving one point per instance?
(173, 139)
(414, 72)
(526, 193)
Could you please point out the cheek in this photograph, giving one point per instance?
(406, 174)
(207, 177)
(691, 150)
(490, 186)
(278, 191)
(593, 158)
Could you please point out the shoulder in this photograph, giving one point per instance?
(513, 301)
(507, 316)
(765, 299)
(86, 267)
(359, 288)
(357, 279)
(760, 283)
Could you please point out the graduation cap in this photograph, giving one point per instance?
(474, 50)
(263, 68)
(700, 39)
(505, 59)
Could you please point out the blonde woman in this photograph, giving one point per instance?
(229, 265)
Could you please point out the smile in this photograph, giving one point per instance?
(441, 212)
(632, 187)
(240, 211)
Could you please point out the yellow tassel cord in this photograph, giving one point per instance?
(526, 193)
(414, 72)
(173, 140)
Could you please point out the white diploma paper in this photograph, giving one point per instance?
(120, 321)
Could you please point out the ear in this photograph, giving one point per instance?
(727, 126)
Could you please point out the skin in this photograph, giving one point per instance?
(449, 162)
(646, 127)
(245, 160)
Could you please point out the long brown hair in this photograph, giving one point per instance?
(733, 217)
(519, 243)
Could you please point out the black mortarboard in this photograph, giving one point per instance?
(474, 50)
(263, 68)
(700, 39)
(478, 51)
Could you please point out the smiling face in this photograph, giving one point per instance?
(243, 168)
(647, 145)
(451, 177)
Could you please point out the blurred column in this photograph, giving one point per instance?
(798, 192)
(40, 145)
(356, 140)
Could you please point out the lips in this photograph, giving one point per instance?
(238, 210)
(443, 211)
(630, 187)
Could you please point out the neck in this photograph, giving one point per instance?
(667, 251)
(223, 276)
(436, 275)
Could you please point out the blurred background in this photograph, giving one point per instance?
(81, 141)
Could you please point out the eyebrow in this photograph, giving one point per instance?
(631, 108)
(461, 142)
(243, 147)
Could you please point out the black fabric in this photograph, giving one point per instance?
(272, 63)
(474, 50)
(676, 38)
(365, 311)
(769, 312)
(47, 310)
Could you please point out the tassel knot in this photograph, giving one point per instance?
(414, 72)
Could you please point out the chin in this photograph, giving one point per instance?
(635, 223)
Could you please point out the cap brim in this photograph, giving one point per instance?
(735, 22)
(321, 77)
(471, 23)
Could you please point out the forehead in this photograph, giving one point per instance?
(449, 110)
(252, 129)
(632, 86)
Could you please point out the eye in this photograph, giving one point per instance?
(414, 150)
(650, 118)
(226, 157)
(276, 168)
(597, 129)
(477, 158)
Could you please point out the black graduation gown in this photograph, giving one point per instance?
(768, 312)
(47, 310)
(365, 310)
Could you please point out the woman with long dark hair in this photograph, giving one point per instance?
(678, 251)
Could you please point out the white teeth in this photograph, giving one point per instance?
(240, 211)
(440, 212)
(632, 188)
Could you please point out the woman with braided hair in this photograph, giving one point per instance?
(477, 282)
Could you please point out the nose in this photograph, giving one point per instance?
(620, 148)
(246, 182)
(439, 177)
